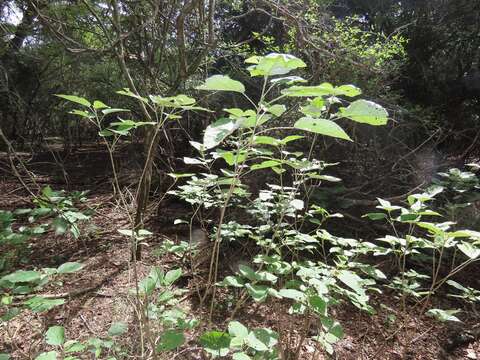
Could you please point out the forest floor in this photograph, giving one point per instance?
(100, 293)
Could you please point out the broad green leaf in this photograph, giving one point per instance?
(172, 276)
(469, 250)
(376, 216)
(258, 292)
(322, 126)
(318, 304)
(444, 315)
(277, 109)
(232, 157)
(265, 164)
(216, 343)
(117, 329)
(262, 339)
(273, 64)
(97, 104)
(266, 140)
(247, 272)
(41, 304)
(292, 294)
(457, 285)
(73, 346)
(51, 355)
(75, 99)
(235, 281)
(290, 138)
(69, 267)
(55, 335)
(333, 328)
(324, 89)
(348, 90)
(366, 112)
(4, 357)
(105, 133)
(222, 83)
(352, 280)
(218, 131)
(170, 340)
(22, 276)
(81, 113)
(238, 330)
(10, 314)
(237, 113)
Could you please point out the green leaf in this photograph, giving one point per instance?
(469, 250)
(235, 281)
(265, 164)
(75, 99)
(113, 111)
(322, 126)
(258, 292)
(10, 314)
(292, 294)
(348, 90)
(170, 340)
(376, 216)
(352, 280)
(444, 315)
(81, 113)
(97, 104)
(277, 109)
(318, 304)
(73, 346)
(105, 133)
(4, 357)
(222, 83)
(216, 343)
(218, 131)
(117, 329)
(60, 225)
(55, 335)
(288, 80)
(51, 355)
(22, 276)
(69, 267)
(273, 64)
(366, 112)
(236, 329)
(172, 276)
(262, 339)
(306, 91)
(266, 140)
(41, 304)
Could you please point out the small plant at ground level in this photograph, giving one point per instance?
(55, 210)
(241, 343)
(71, 349)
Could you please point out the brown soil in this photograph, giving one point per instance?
(100, 292)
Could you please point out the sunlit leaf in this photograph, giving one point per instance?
(366, 112)
(323, 127)
(222, 83)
